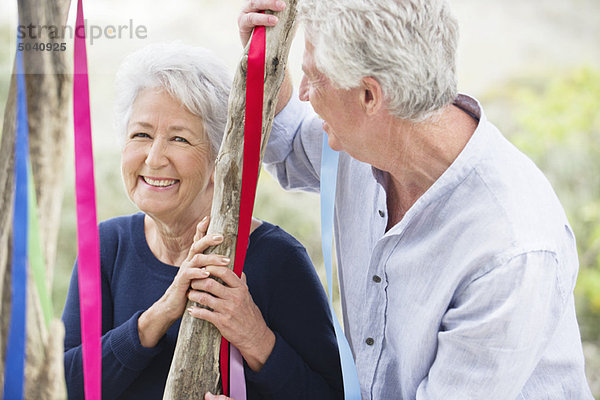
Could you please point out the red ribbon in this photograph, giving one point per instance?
(252, 139)
(88, 264)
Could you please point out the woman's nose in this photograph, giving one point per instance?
(303, 95)
(157, 155)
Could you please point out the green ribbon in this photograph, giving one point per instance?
(36, 257)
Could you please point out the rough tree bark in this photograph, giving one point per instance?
(195, 365)
(48, 96)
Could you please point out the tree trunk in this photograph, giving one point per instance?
(195, 366)
(48, 98)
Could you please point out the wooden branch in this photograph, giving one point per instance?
(195, 366)
(48, 84)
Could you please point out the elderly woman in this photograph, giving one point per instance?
(172, 106)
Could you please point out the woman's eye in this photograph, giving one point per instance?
(180, 139)
(139, 135)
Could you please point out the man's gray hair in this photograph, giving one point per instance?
(192, 75)
(408, 46)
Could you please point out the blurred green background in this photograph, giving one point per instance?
(534, 64)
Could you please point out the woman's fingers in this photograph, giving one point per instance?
(201, 228)
(190, 274)
(196, 269)
(200, 246)
(228, 277)
(205, 260)
(200, 238)
(205, 299)
(226, 290)
(205, 242)
(211, 286)
(224, 299)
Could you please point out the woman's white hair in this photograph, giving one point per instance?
(192, 75)
(408, 46)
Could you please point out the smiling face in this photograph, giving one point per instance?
(166, 163)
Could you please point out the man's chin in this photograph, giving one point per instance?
(333, 143)
(330, 137)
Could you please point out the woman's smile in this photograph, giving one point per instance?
(159, 183)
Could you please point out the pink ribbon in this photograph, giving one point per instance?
(238, 380)
(90, 298)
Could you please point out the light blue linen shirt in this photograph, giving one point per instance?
(470, 295)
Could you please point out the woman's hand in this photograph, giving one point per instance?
(175, 298)
(251, 16)
(154, 322)
(234, 313)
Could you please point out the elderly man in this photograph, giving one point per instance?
(457, 262)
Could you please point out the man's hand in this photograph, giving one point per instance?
(251, 16)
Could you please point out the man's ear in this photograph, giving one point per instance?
(371, 95)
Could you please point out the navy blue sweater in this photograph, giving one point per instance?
(304, 363)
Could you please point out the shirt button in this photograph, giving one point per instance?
(370, 341)
(376, 278)
(381, 213)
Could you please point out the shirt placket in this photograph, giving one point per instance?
(373, 321)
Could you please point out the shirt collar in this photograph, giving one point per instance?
(468, 104)
(468, 158)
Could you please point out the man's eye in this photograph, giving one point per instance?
(180, 139)
(139, 135)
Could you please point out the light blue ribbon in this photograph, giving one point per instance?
(329, 165)
(14, 381)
